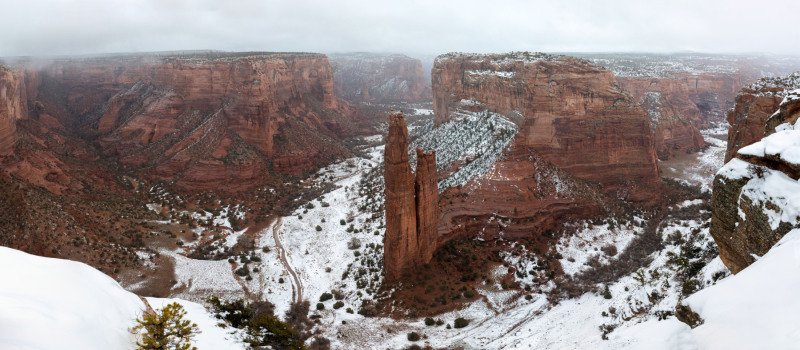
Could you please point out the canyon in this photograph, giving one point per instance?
(534, 194)
(198, 119)
(106, 136)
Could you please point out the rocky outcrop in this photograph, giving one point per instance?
(13, 107)
(367, 77)
(570, 113)
(754, 106)
(198, 120)
(411, 203)
(675, 118)
(756, 195)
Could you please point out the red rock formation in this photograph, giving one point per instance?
(13, 107)
(427, 205)
(411, 204)
(205, 119)
(569, 111)
(674, 116)
(754, 106)
(366, 77)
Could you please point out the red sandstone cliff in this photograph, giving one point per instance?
(366, 77)
(569, 111)
(674, 116)
(427, 204)
(411, 203)
(754, 106)
(200, 120)
(13, 107)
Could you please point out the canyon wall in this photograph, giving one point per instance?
(674, 117)
(570, 112)
(756, 195)
(368, 77)
(754, 106)
(199, 120)
(411, 203)
(13, 107)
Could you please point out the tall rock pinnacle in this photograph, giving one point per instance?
(411, 203)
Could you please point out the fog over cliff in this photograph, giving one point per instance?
(54, 27)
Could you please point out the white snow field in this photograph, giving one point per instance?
(48, 303)
(754, 309)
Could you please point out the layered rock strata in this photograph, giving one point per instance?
(674, 117)
(411, 203)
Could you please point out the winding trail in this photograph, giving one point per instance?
(297, 286)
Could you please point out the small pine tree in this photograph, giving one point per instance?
(166, 329)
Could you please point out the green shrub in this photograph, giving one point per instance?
(325, 296)
(429, 321)
(460, 322)
(413, 336)
(337, 305)
(320, 306)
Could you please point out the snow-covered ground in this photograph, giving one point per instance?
(754, 309)
(50, 303)
(595, 242)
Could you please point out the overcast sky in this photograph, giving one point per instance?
(417, 27)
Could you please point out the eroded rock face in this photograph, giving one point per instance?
(13, 107)
(201, 120)
(754, 106)
(756, 195)
(411, 204)
(367, 77)
(675, 118)
(570, 112)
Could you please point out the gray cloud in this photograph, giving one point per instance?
(55, 27)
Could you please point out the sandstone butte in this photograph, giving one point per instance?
(367, 77)
(195, 120)
(753, 199)
(412, 204)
